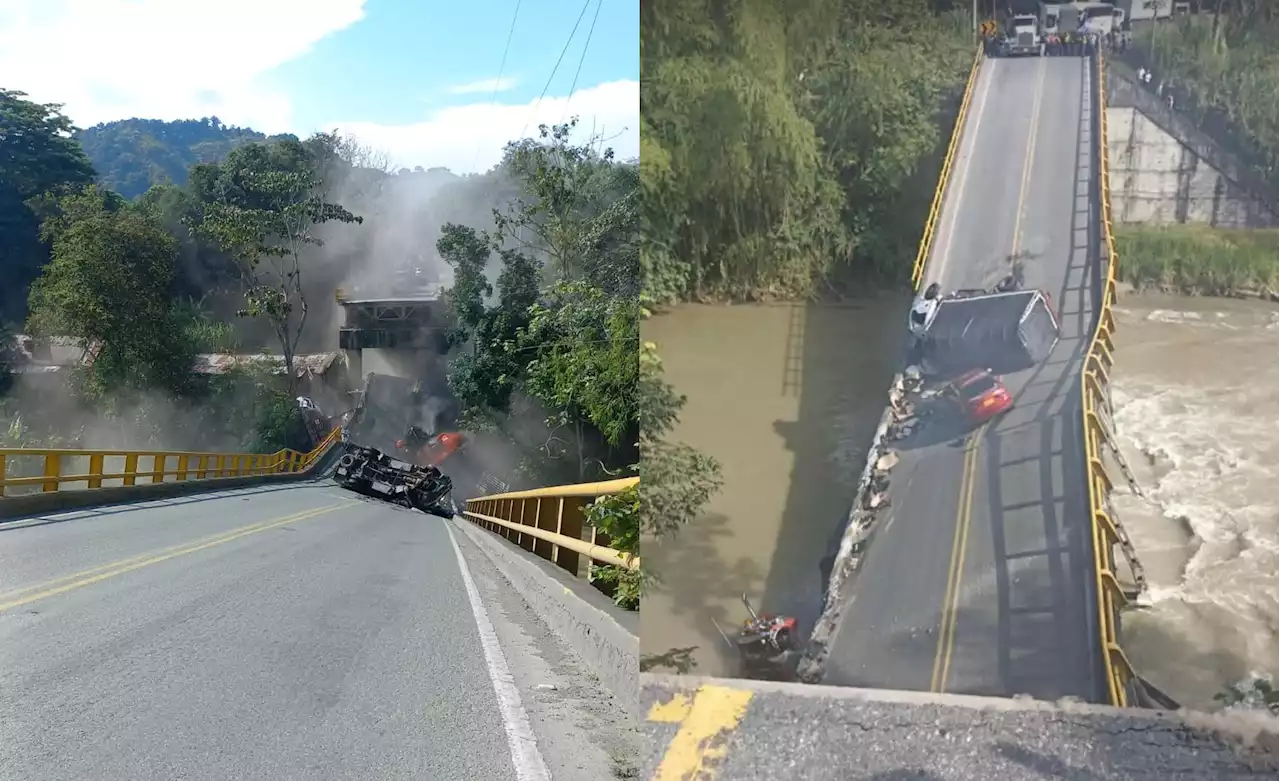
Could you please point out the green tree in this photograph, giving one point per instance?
(262, 206)
(561, 331)
(37, 155)
(485, 376)
(109, 284)
(585, 364)
(566, 189)
(787, 147)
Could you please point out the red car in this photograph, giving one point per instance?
(982, 394)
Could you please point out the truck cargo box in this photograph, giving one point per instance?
(1004, 332)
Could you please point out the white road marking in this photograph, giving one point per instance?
(524, 746)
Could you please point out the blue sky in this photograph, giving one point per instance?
(404, 57)
(413, 78)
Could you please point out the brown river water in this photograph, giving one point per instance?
(786, 397)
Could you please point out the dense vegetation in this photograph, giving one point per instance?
(1226, 64)
(788, 148)
(1198, 259)
(131, 155)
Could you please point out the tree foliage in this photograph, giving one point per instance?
(556, 329)
(786, 146)
(556, 333)
(261, 206)
(133, 155)
(1225, 65)
(109, 284)
(37, 156)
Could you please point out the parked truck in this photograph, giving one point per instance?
(1022, 35)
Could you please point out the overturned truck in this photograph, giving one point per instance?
(1002, 331)
(371, 472)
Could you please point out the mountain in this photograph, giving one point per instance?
(130, 155)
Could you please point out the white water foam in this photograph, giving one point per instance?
(1203, 444)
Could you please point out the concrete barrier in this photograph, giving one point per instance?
(14, 508)
(603, 635)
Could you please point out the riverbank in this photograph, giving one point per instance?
(1198, 260)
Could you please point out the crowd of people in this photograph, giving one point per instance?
(1166, 90)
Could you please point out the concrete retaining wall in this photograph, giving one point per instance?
(1165, 170)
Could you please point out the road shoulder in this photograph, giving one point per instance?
(583, 733)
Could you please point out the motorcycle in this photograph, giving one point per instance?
(764, 644)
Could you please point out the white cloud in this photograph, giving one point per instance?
(162, 59)
(468, 139)
(184, 59)
(487, 86)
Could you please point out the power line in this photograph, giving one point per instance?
(497, 83)
(574, 87)
(559, 59)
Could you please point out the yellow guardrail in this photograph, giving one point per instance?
(1093, 381)
(550, 523)
(61, 469)
(939, 194)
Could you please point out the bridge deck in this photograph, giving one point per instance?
(979, 579)
(294, 631)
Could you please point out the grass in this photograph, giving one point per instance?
(1198, 260)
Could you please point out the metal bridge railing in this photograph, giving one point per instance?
(36, 470)
(1094, 379)
(551, 524)
(939, 193)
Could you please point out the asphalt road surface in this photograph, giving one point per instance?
(979, 579)
(749, 730)
(296, 632)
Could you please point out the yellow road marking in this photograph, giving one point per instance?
(107, 571)
(964, 510)
(1028, 162)
(946, 622)
(966, 500)
(672, 712)
(9, 594)
(716, 711)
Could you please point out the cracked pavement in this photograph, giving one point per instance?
(773, 730)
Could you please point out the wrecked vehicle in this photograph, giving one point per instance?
(1004, 331)
(371, 472)
(425, 449)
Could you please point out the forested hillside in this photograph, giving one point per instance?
(131, 155)
(792, 146)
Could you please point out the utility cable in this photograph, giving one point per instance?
(560, 59)
(574, 86)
